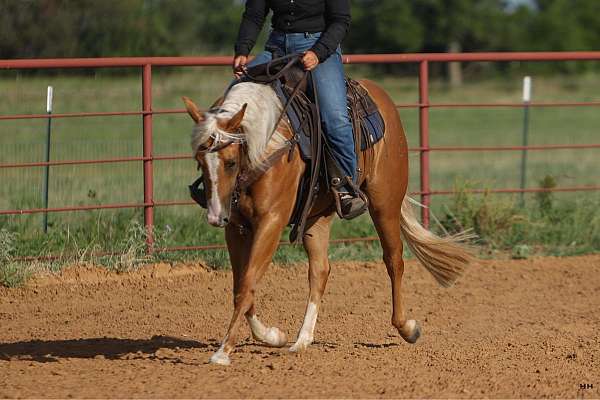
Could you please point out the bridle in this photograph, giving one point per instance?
(220, 140)
(244, 178)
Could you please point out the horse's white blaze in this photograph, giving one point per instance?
(306, 335)
(214, 204)
(271, 336)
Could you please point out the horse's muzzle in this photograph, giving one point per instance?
(218, 221)
(198, 194)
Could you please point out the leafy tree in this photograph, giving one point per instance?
(384, 26)
(93, 28)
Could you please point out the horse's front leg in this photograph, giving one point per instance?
(316, 241)
(239, 243)
(270, 336)
(248, 269)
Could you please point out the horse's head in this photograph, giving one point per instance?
(218, 143)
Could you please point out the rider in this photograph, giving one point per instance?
(314, 28)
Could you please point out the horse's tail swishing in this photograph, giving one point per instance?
(444, 257)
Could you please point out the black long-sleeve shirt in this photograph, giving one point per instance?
(332, 17)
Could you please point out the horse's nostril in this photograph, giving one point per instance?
(225, 220)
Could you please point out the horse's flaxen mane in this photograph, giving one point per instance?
(262, 113)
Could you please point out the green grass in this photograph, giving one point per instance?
(546, 225)
(12, 273)
(107, 137)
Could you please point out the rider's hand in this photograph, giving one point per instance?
(239, 66)
(310, 60)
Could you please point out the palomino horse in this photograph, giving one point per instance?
(243, 135)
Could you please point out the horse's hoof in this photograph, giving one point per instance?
(220, 358)
(275, 337)
(300, 345)
(414, 331)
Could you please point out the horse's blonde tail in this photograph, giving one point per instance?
(444, 257)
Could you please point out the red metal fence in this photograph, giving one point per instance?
(147, 112)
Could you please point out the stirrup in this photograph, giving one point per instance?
(355, 194)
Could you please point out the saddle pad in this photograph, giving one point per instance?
(365, 115)
(372, 130)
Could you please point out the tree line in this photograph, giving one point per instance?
(109, 28)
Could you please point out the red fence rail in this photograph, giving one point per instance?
(147, 112)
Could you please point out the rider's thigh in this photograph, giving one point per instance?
(331, 87)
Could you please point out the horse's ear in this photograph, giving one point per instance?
(192, 109)
(234, 123)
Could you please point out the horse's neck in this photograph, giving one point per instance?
(274, 182)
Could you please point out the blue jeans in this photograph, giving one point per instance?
(331, 85)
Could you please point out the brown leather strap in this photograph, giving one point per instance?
(316, 139)
(290, 100)
(262, 73)
(247, 178)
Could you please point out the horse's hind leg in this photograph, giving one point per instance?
(316, 241)
(385, 212)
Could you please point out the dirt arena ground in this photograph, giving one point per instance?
(508, 329)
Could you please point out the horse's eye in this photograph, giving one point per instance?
(230, 164)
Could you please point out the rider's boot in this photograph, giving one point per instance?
(349, 200)
(351, 205)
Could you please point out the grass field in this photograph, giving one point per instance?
(106, 137)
